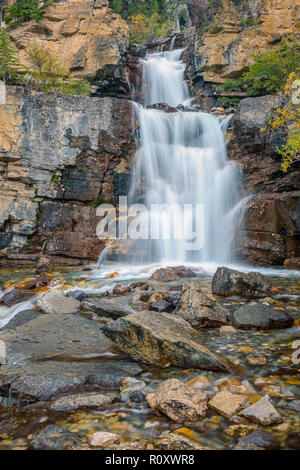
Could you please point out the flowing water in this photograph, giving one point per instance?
(192, 191)
(181, 161)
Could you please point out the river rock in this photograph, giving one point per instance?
(177, 441)
(228, 404)
(263, 412)
(199, 308)
(49, 336)
(121, 289)
(258, 440)
(161, 306)
(77, 295)
(55, 437)
(45, 265)
(227, 282)
(44, 381)
(113, 307)
(179, 402)
(133, 390)
(162, 339)
(21, 318)
(292, 405)
(260, 317)
(102, 439)
(14, 296)
(55, 302)
(81, 400)
(172, 274)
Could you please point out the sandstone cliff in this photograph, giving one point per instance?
(86, 36)
(228, 31)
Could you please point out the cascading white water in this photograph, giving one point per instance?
(182, 160)
(163, 79)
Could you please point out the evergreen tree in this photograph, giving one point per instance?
(9, 63)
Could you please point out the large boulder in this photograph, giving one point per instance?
(228, 282)
(199, 308)
(260, 317)
(179, 402)
(251, 117)
(162, 339)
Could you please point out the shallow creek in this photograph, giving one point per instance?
(19, 421)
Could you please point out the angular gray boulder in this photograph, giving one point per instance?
(199, 308)
(162, 339)
(112, 307)
(228, 282)
(55, 302)
(256, 316)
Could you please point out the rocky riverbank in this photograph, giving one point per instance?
(189, 362)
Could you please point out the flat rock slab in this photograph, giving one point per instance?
(45, 381)
(260, 317)
(21, 318)
(228, 282)
(55, 302)
(228, 404)
(162, 339)
(81, 400)
(49, 336)
(200, 309)
(263, 412)
(114, 307)
(55, 437)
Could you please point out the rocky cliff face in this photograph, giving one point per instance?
(228, 31)
(270, 230)
(89, 40)
(60, 157)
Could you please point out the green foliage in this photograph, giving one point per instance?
(234, 85)
(46, 74)
(248, 22)
(143, 29)
(26, 10)
(9, 63)
(228, 102)
(271, 70)
(166, 9)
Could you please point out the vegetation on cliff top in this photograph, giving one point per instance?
(26, 10)
(45, 73)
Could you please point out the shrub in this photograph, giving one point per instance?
(26, 10)
(272, 69)
(143, 28)
(288, 120)
(48, 75)
(9, 63)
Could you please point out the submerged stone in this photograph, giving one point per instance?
(55, 437)
(81, 400)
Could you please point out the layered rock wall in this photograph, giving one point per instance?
(60, 157)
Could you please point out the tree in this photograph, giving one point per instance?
(26, 10)
(9, 63)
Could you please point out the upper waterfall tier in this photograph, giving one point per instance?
(163, 79)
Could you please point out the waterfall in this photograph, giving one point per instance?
(182, 160)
